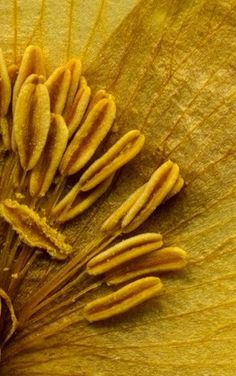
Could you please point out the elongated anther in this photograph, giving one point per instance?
(88, 137)
(159, 185)
(58, 87)
(13, 71)
(117, 156)
(124, 252)
(123, 299)
(159, 261)
(74, 66)
(31, 123)
(5, 127)
(32, 62)
(5, 87)
(34, 79)
(176, 188)
(42, 175)
(75, 113)
(82, 202)
(162, 185)
(113, 222)
(99, 95)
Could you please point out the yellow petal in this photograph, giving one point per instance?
(171, 68)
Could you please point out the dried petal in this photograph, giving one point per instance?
(88, 137)
(33, 230)
(124, 252)
(32, 62)
(74, 114)
(122, 300)
(5, 87)
(74, 204)
(117, 156)
(162, 260)
(31, 123)
(43, 173)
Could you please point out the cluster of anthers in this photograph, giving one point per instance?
(51, 129)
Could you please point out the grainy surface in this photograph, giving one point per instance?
(171, 67)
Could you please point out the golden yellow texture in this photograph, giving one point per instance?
(171, 67)
(34, 230)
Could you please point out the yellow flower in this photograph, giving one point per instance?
(171, 67)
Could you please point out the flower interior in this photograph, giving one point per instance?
(56, 166)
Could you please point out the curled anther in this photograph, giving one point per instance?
(34, 230)
(14, 322)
